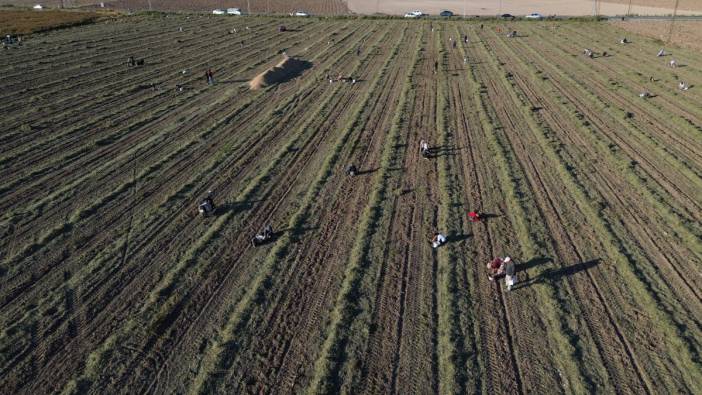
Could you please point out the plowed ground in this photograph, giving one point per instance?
(111, 282)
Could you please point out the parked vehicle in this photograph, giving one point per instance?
(507, 16)
(446, 13)
(218, 12)
(414, 14)
(534, 15)
(301, 13)
(234, 11)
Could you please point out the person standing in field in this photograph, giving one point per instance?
(510, 273)
(423, 148)
(210, 77)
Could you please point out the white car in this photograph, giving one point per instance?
(218, 12)
(414, 14)
(234, 11)
(301, 13)
(534, 15)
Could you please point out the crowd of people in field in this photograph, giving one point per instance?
(499, 267)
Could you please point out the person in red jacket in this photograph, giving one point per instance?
(474, 216)
(495, 268)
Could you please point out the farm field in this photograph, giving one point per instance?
(316, 7)
(112, 282)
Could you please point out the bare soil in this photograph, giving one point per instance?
(520, 8)
(27, 21)
(686, 34)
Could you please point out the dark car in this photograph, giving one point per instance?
(446, 13)
(507, 16)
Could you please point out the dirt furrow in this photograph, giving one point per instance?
(243, 240)
(347, 201)
(314, 265)
(604, 306)
(639, 155)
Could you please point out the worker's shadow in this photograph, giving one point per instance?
(553, 275)
(295, 232)
(484, 217)
(368, 171)
(457, 237)
(443, 150)
(237, 207)
(533, 262)
(231, 81)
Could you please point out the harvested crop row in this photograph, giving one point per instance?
(349, 50)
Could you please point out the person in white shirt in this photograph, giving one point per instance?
(438, 240)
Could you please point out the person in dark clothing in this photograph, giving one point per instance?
(207, 207)
(268, 231)
(351, 170)
(265, 235)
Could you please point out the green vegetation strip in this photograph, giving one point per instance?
(677, 346)
(447, 300)
(524, 218)
(344, 311)
(206, 380)
(163, 297)
(687, 230)
(52, 236)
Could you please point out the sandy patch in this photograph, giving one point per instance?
(285, 70)
(685, 33)
(516, 7)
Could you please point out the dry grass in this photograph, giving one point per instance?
(29, 21)
(685, 33)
